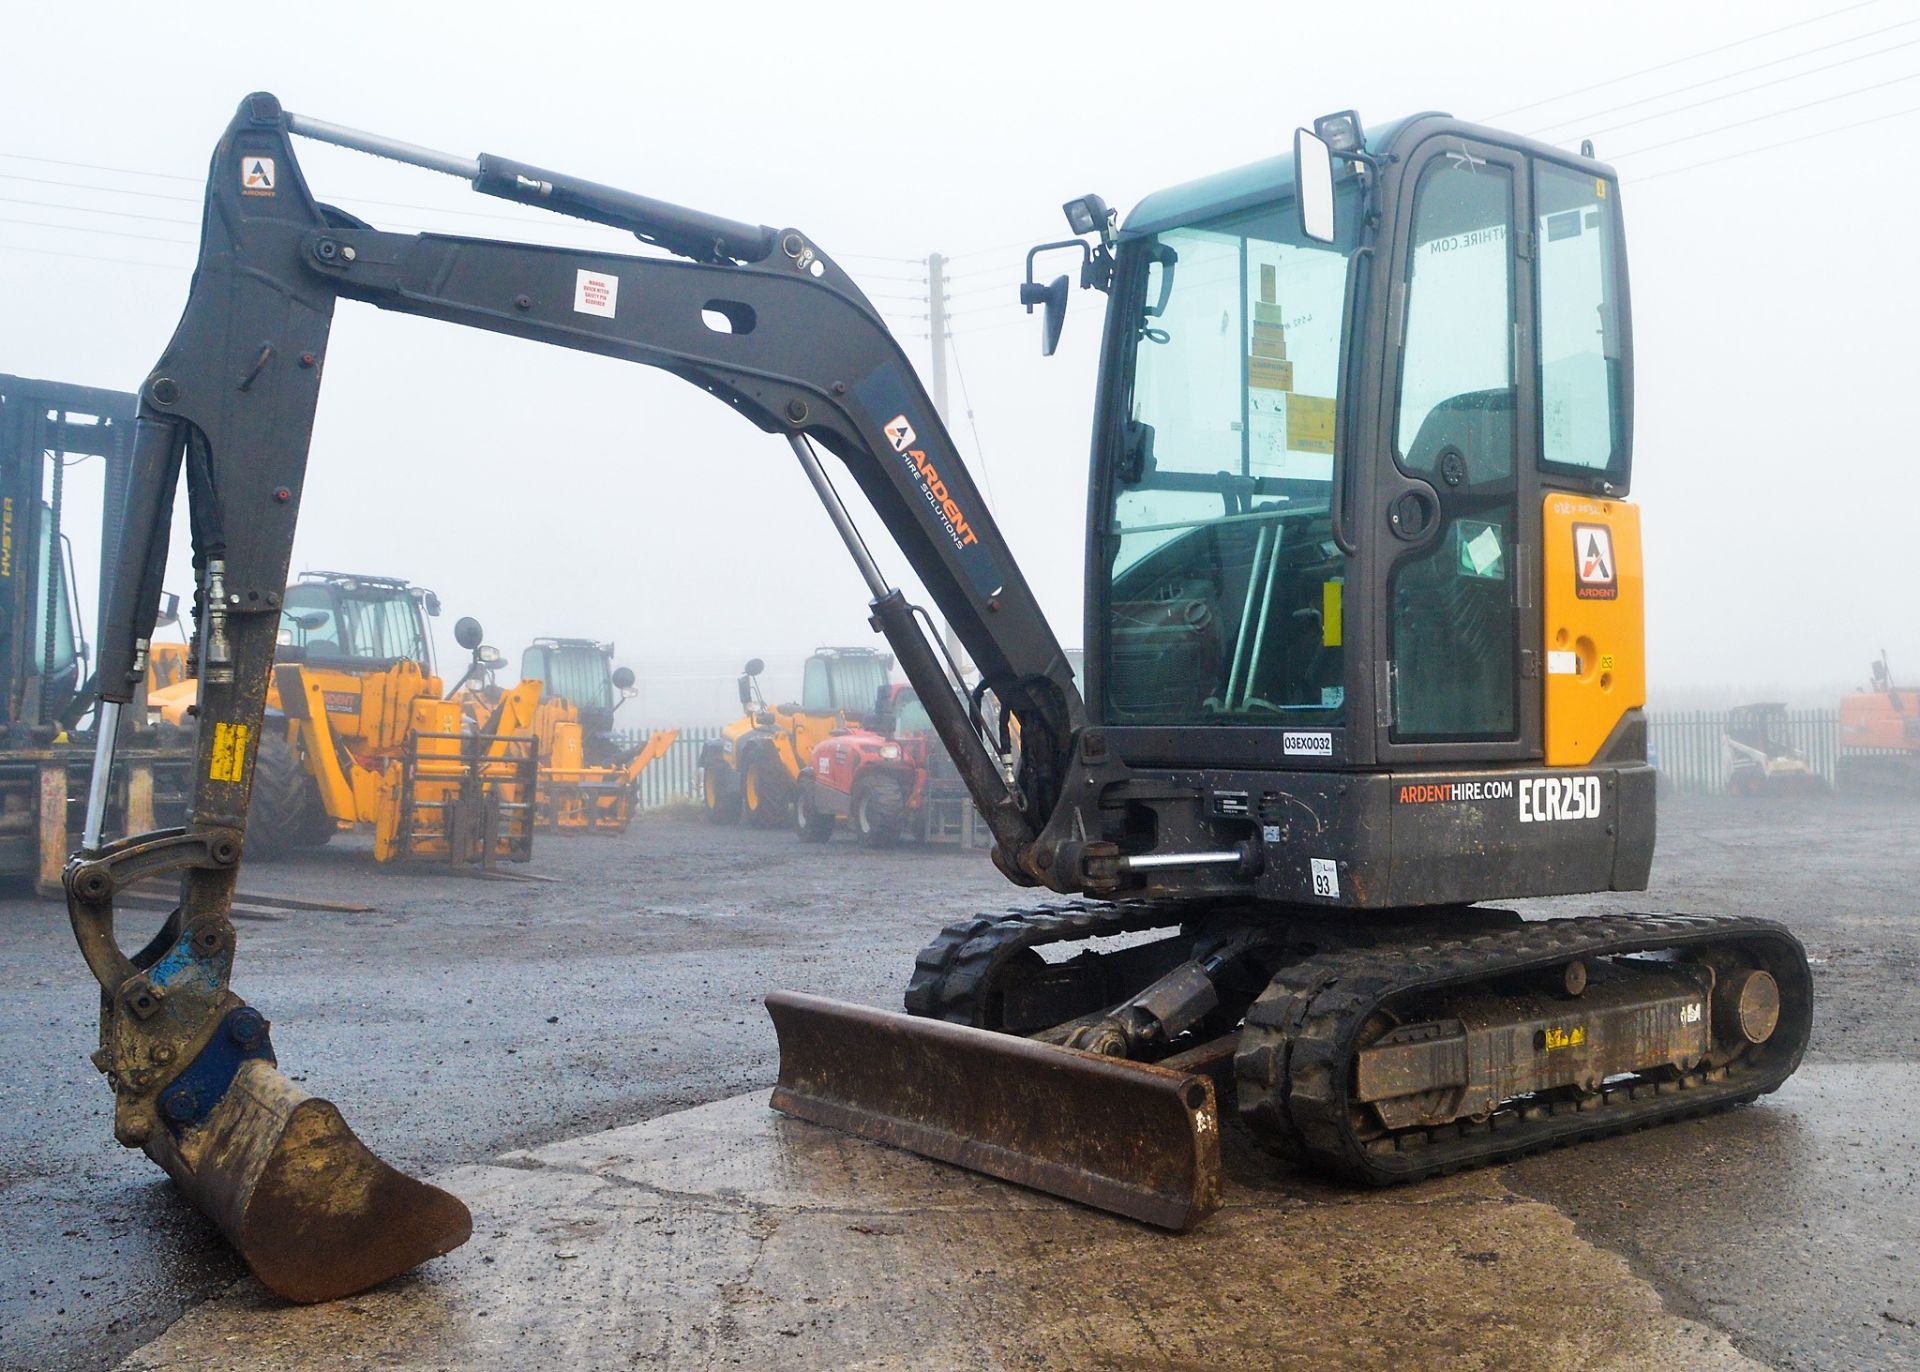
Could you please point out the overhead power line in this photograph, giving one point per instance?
(1749, 90)
(1725, 76)
(1681, 61)
(1770, 114)
(108, 233)
(1780, 143)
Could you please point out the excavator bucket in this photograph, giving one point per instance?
(315, 1214)
(1133, 1138)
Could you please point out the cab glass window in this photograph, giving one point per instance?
(1223, 582)
(1582, 412)
(1453, 632)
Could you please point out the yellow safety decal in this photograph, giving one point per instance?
(1565, 1038)
(1310, 423)
(1599, 188)
(229, 752)
(1330, 632)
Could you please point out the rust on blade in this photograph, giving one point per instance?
(1132, 1138)
(314, 1212)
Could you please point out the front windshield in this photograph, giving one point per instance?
(910, 716)
(579, 676)
(362, 623)
(1225, 599)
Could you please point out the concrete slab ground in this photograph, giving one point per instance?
(728, 1236)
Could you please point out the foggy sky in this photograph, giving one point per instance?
(549, 492)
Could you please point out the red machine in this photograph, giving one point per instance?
(1879, 736)
(881, 779)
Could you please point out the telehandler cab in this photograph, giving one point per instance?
(587, 778)
(1364, 612)
(360, 731)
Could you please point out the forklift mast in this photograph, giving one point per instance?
(45, 426)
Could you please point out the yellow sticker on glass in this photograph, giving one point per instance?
(1599, 188)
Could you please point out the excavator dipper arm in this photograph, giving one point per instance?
(760, 318)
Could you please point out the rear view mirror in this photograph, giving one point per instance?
(746, 693)
(623, 678)
(1052, 298)
(754, 667)
(1313, 186)
(467, 632)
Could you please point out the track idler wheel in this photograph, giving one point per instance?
(315, 1214)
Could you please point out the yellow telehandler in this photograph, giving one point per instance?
(587, 778)
(753, 769)
(360, 732)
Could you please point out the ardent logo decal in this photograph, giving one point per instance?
(888, 403)
(936, 490)
(1594, 577)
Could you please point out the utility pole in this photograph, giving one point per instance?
(937, 333)
(937, 330)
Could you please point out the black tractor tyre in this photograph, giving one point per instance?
(880, 811)
(720, 790)
(763, 792)
(285, 813)
(812, 824)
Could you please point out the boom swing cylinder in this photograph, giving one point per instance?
(1296, 797)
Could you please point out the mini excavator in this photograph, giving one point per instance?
(1364, 650)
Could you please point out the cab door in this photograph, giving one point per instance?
(1453, 512)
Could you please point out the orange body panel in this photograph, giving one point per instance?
(1595, 620)
(1881, 720)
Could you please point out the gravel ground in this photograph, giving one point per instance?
(462, 1018)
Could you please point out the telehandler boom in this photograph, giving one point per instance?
(1364, 647)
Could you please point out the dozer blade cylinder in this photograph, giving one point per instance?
(315, 1214)
(1135, 1139)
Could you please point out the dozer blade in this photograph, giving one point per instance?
(315, 1214)
(1135, 1139)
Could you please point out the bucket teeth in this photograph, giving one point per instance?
(313, 1211)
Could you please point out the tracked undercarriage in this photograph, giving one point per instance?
(1388, 1050)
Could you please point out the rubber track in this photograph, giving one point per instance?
(1296, 1048)
(954, 976)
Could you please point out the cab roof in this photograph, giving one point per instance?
(1257, 183)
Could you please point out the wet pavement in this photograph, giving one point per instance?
(463, 1021)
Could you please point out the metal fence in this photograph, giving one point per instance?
(1687, 744)
(1690, 748)
(675, 776)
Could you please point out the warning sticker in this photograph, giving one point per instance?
(229, 762)
(899, 433)
(594, 293)
(1593, 570)
(256, 176)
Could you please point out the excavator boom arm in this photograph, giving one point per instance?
(784, 337)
